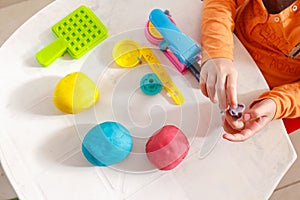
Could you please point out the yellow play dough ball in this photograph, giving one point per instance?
(75, 93)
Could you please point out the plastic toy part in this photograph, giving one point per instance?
(150, 84)
(152, 34)
(106, 144)
(180, 49)
(156, 41)
(155, 38)
(167, 147)
(163, 76)
(77, 33)
(185, 49)
(238, 112)
(126, 53)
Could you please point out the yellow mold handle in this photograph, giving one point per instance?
(162, 74)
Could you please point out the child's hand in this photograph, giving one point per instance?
(252, 121)
(219, 77)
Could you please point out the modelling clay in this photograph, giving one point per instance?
(167, 147)
(150, 84)
(75, 93)
(106, 144)
(237, 112)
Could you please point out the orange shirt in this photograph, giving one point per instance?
(271, 39)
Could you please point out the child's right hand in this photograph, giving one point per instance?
(218, 77)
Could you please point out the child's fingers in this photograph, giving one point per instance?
(211, 87)
(231, 90)
(236, 124)
(221, 92)
(238, 137)
(250, 128)
(253, 120)
(227, 127)
(203, 86)
(260, 109)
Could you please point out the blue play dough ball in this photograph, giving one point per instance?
(106, 144)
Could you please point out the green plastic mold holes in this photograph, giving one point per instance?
(77, 33)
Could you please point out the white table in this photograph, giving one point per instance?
(40, 148)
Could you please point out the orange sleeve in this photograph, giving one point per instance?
(217, 26)
(287, 99)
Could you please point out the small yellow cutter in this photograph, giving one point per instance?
(128, 53)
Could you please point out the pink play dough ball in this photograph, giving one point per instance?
(167, 147)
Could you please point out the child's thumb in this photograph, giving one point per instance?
(254, 113)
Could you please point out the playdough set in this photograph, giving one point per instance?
(110, 142)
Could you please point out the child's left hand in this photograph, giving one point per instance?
(252, 121)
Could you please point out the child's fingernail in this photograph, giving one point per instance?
(246, 117)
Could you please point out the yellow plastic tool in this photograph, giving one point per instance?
(163, 75)
(128, 53)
